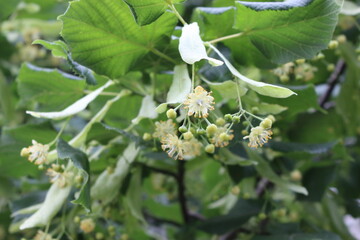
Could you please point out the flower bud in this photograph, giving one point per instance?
(266, 123)
(296, 175)
(228, 117)
(77, 219)
(245, 132)
(254, 109)
(262, 216)
(235, 190)
(183, 129)
(200, 131)
(171, 113)
(330, 67)
(210, 148)
(236, 119)
(220, 122)
(211, 129)
(284, 78)
(25, 152)
(99, 236)
(341, 38)
(272, 118)
(188, 135)
(333, 44)
(300, 61)
(147, 137)
(224, 137)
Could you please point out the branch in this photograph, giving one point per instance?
(181, 191)
(332, 81)
(159, 170)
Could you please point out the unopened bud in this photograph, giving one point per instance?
(211, 129)
(266, 123)
(300, 61)
(25, 152)
(147, 137)
(183, 129)
(188, 135)
(210, 148)
(341, 38)
(228, 117)
(235, 190)
(220, 122)
(333, 44)
(296, 175)
(200, 131)
(236, 119)
(171, 113)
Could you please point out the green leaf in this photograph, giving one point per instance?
(57, 48)
(230, 158)
(7, 7)
(227, 89)
(348, 101)
(302, 147)
(147, 11)
(300, 236)
(13, 139)
(111, 41)
(285, 31)
(265, 170)
(211, 21)
(80, 161)
(60, 49)
(238, 215)
(305, 99)
(52, 89)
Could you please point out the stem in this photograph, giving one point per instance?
(192, 77)
(259, 118)
(181, 191)
(238, 93)
(60, 132)
(172, 7)
(160, 54)
(236, 35)
(332, 81)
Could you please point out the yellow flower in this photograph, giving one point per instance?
(37, 152)
(87, 225)
(199, 102)
(174, 147)
(222, 136)
(258, 136)
(42, 236)
(163, 128)
(192, 148)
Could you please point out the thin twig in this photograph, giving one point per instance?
(181, 191)
(332, 81)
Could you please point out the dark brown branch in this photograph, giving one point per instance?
(181, 191)
(332, 81)
(159, 170)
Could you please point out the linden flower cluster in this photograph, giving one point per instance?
(36, 153)
(193, 137)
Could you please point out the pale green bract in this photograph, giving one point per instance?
(74, 108)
